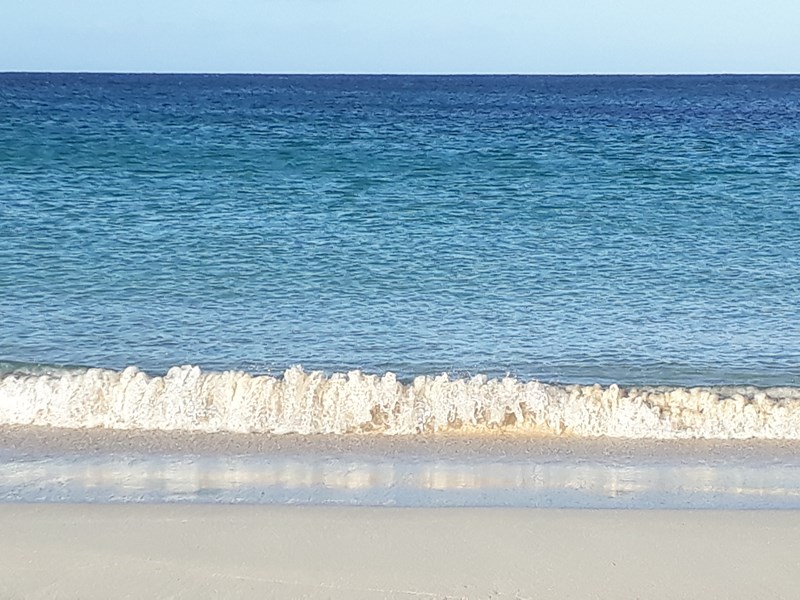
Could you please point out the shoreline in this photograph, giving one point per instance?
(114, 466)
(356, 553)
(42, 440)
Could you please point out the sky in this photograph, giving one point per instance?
(401, 36)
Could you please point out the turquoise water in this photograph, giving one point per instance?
(575, 229)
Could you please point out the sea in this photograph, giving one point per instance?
(575, 257)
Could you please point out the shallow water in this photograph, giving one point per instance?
(40, 464)
(559, 480)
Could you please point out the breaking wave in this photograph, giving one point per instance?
(189, 399)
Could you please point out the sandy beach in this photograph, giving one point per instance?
(205, 551)
(35, 440)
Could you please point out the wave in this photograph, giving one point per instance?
(188, 399)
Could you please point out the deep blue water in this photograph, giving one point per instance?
(636, 229)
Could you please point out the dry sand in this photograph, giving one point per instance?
(213, 551)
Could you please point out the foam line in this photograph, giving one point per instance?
(189, 399)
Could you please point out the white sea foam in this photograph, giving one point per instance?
(189, 399)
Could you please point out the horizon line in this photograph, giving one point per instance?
(410, 73)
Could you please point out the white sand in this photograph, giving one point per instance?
(196, 551)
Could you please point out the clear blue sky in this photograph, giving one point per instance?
(401, 36)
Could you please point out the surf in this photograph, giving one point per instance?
(187, 398)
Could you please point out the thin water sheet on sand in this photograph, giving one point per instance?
(100, 465)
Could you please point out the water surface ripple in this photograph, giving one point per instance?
(627, 229)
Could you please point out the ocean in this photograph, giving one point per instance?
(576, 229)
(585, 256)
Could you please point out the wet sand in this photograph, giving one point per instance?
(36, 440)
(202, 551)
